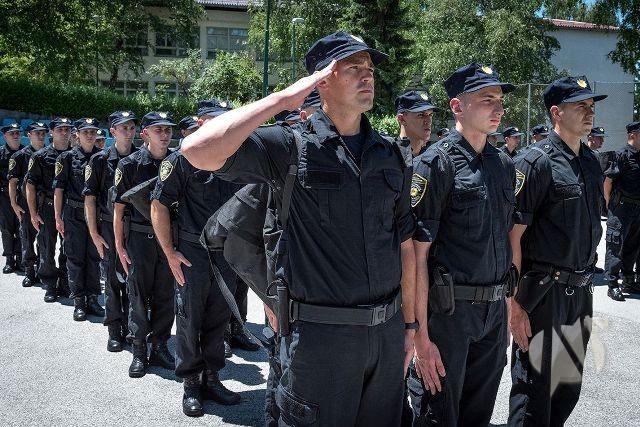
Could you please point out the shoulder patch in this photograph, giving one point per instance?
(166, 167)
(30, 163)
(12, 164)
(519, 181)
(58, 168)
(87, 172)
(418, 188)
(117, 177)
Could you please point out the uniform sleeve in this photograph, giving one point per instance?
(34, 171)
(404, 217)
(263, 157)
(122, 179)
(617, 166)
(92, 176)
(62, 170)
(430, 187)
(14, 166)
(172, 180)
(533, 178)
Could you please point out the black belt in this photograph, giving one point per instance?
(480, 293)
(141, 228)
(630, 200)
(189, 237)
(575, 279)
(74, 204)
(356, 316)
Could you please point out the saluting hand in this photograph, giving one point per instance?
(176, 259)
(294, 95)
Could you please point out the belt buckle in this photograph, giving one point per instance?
(498, 293)
(379, 315)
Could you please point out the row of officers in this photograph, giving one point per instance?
(406, 267)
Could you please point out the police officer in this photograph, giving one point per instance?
(202, 314)
(442, 133)
(83, 261)
(99, 179)
(39, 189)
(101, 139)
(149, 282)
(595, 140)
(554, 243)
(462, 197)
(414, 113)
(539, 132)
(187, 126)
(18, 164)
(347, 238)
(512, 137)
(9, 223)
(622, 193)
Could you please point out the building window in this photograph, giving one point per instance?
(138, 42)
(128, 88)
(169, 44)
(226, 39)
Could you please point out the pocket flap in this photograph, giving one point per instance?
(323, 179)
(394, 178)
(298, 411)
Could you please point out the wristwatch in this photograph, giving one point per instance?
(415, 326)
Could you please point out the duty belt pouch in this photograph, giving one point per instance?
(441, 292)
(533, 286)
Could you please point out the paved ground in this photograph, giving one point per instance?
(57, 372)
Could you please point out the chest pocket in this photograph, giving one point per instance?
(203, 180)
(469, 203)
(391, 193)
(325, 184)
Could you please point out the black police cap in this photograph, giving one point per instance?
(157, 118)
(339, 45)
(60, 122)
(633, 127)
(100, 134)
(312, 100)
(597, 131)
(213, 107)
(540, 130)
(569, 89)
(474, 77)
(188, 122)
(442, 132)
(511, 131)
(86, 123)
(119, 117)
(36, 126)
(293, 116)
(496, 134)
(10, 127)
(414, 101)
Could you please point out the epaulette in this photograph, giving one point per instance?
(538, 150)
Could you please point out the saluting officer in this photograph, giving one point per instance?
(348, 237)
(36, 132)
(83, 261)
(554, 241)
(39, 189)
(99, 179)
(9, 223)
(149, 280)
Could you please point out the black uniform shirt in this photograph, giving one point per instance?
(5, 162)
(70, 172)
(625, 172)
(41, 170)
(197, 192)
(558, 196)
(18, 167)
(464, 205)
(99, 177)
(506, 151)
(132, 170)
(346, 221)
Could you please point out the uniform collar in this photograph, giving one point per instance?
(562, 146)
(456, 138)
(326, 131)
(631, 149)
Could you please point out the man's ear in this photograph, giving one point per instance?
(456, 105)
(401, 120)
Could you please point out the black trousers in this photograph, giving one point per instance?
(46, 240)
(337, 375)
(271, 410)
(623, 240)
(27, 238)
(240, 295)
(9, 227)
(116, 300)
(150, 289)
(83, 261)
(202, 314)
(546, 380)
(473, 347)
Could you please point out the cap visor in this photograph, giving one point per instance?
(37, 128)
(583, 96)
(377, 57)
(119, 122)
(506, 87)
(163, 123)
(88, 127)
(421, 108)
(194, 126)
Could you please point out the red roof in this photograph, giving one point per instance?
(577, 25)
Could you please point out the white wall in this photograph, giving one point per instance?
(584, 52)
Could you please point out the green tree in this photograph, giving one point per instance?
(180, 71)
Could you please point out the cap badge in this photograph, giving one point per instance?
(487, 70)
(195, 118)
(64, 120)
(89, 121)
(125, 114)
(223, 104)
(40, 124)
(163, 115)
(581, 83)
(424, 96)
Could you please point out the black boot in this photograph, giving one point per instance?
(192, 397)
(213, 389)
(614, 292)
(93, 307)
(138, 366)
(29, 278)
(80, 312)
(10, 266)
(63, 287)
(160, 356)
(116, 340)
(239, 339)
(51, 294)
(630, 284)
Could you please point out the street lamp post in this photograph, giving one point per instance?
(294, 22)
(265, 62)
(96, 19)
